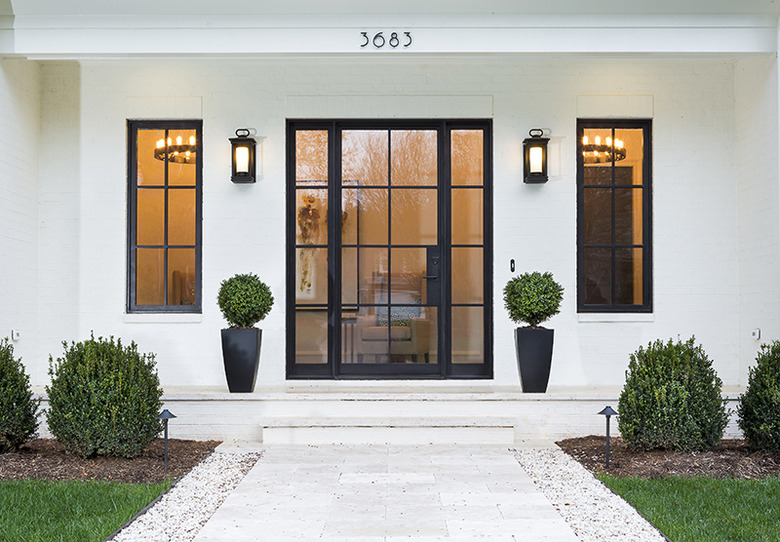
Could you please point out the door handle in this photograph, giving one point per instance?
(431, 277)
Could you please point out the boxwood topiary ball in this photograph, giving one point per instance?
(532, 298)
(244, 300)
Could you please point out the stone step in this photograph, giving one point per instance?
(388, 430)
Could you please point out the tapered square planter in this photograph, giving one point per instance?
(534, 348)
(241, 354)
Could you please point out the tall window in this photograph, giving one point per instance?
(614, 262)
(165, 166)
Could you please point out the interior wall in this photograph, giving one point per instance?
(759, 205)
(19, 142)
(696, 239)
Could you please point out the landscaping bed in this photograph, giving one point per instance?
(45, 459)
(731, 459)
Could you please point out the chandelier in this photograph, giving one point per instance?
(180, 152)
(600, 153)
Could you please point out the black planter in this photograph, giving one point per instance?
(534, 357)
(241, 354)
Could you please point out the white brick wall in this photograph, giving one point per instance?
(19, 120)
(698, 217)
(759, 205)
(60, 210)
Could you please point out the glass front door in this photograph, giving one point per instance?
(398, 287)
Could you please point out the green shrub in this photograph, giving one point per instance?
(18, 409)
(244, 300)
(672, 399)
(532, 298)
(104, 398)
(759, 406)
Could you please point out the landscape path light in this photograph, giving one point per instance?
(608, 412)
(166, 415)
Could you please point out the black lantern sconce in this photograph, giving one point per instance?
(243, 152)
(535, 157)
(608, 412)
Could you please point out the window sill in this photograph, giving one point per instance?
(615, 317)
(163, 318)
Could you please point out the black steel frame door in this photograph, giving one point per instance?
(389, 249)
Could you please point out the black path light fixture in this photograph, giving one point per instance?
(608, 412)
(243, 153)
(535, 157)
(166, 415)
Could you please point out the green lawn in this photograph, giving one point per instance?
(39, 511)
(705, 509)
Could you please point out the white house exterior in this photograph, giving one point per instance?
(699, 77)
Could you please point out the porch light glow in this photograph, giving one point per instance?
(242, 160)
(535, 157)
(243, 157)
(601, 153)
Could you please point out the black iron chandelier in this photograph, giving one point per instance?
(176, 151)
(601, 153)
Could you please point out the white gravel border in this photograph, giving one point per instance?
(181, 513)
(591, 509)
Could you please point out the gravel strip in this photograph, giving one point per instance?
(591, 509)
(180, 514)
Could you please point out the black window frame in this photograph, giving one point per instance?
(132, 190)
(647, 246)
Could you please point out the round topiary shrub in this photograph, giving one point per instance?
(244, 300)
(759, 406)
(104, 398)
(532, 298)
(18, 409)
(672, 399)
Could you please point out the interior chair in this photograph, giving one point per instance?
(410, 331)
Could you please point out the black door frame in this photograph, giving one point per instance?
(445, 368)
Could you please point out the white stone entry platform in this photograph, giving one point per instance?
(386, 493)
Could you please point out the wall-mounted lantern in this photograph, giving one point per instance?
(535, 157)
(243, 153)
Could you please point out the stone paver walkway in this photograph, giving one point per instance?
(386, 493)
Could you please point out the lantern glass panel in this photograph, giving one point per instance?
(536, 155)
(242, 159)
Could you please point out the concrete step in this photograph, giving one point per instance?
(388, 430)
(384, 412)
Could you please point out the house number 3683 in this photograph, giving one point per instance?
(393, 40)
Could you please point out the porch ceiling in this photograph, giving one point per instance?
(296, 7)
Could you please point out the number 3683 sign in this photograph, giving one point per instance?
(380, 40)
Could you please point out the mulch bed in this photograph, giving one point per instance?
(732, 459)
(45, 459)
